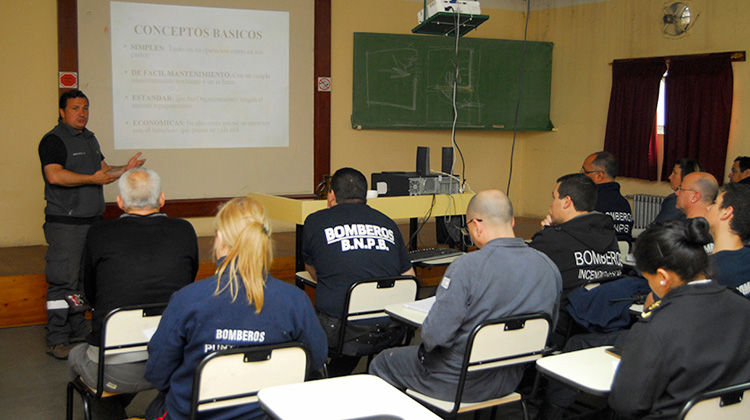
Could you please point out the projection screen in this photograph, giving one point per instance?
(217, 95)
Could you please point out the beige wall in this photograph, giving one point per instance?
(29, 74)
(587, 38)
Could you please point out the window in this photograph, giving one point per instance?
(696, 109)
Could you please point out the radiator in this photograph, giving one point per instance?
(645, 209)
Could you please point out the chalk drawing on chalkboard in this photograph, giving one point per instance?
(440, 75)
(405, 81)
(392, 78)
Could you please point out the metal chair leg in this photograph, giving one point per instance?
(86, 406)
(525, 409)
(69, 402)
(85, 402)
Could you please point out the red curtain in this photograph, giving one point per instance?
(632, 115)
(653, 148)
(698, 112)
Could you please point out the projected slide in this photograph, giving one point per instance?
(198, 77)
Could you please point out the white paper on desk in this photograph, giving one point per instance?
(422, 305)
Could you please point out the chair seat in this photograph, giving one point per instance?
(447, 406)
(213, 405)
(92, 389)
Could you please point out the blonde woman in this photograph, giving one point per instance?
(241, 305)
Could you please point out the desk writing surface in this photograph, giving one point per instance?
(406, 315)
(440, 261)
(303, 278)
(295, 211)
(346, 397)
(590, 370)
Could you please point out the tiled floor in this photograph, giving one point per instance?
(32, 384)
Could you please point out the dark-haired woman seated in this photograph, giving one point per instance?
(695, 339)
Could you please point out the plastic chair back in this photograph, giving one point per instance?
(232, 377)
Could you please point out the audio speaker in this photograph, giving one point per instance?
(447, 162)
(423, 161)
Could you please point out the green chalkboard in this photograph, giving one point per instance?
(406, 82)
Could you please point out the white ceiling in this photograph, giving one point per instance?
(521, 4)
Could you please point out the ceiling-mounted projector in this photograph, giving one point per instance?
(468, 7)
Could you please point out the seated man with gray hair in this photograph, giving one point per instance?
(696, 193)
(142, 257)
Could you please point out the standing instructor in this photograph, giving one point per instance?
(74, 173)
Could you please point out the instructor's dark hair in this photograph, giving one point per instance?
(581, 190)
(349, 186)
(75, 93)
(675, 246)
(737, 196)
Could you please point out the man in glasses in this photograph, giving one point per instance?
(503, 278)
(695, 196)
(697, 191)
(602, 168)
